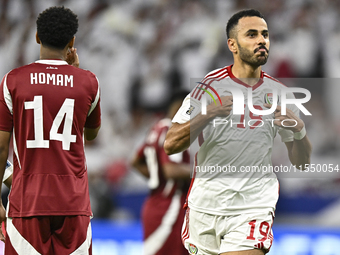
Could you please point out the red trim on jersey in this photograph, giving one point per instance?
(215, 79)
(192, 182)
(186, 233)
(232, 76)
(220, 72)
(211, 79)
(271, 237)
(272, 78)
(200, 139)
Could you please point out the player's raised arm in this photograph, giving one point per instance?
(72, 57)
(181, 135)
(300, 149)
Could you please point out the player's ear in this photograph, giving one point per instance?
(232, 45)
(37, 38)
(71, 43)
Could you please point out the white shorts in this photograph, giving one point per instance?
(206, 234)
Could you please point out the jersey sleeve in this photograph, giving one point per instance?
(6, 107)
(94, 116)
(189, 109)
(8, 171)
(288, 135)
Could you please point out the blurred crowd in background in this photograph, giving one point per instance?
(142, 50)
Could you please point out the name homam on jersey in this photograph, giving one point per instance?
(52, 79)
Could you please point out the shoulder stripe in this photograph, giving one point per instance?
(215, 72)
(210, 75)
(216, 79)
(272, 78)
(209, 80)
(95, 102)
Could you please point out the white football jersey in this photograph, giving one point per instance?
(232, 172)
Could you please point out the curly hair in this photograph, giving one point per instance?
(56, 26)
(233, 21)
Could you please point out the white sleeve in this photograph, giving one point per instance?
(288, 135)
(189, 109)
(8, 171)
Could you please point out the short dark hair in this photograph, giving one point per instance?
(233, 21)
(56, 26)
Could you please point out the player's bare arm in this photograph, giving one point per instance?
(176, 171)
(140, 164)
(4, 147)
(171, 170)
(299, 151)
(91, 133)
(180, 136)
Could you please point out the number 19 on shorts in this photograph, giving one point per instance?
(263, 229)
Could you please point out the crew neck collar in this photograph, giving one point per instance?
(51, 62)
(232, 76)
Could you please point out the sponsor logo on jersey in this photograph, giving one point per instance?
(269, 99)
(190, 110)
(192, 249)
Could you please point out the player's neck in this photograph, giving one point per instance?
(246, 73)
(49, 53)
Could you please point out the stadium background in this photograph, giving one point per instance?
(142, 50)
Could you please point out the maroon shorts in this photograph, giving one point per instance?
(49, 235)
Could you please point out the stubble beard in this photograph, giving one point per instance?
(250, 57)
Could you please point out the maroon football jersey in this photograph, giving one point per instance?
(162, 213)
(153, 152)
(47, 104)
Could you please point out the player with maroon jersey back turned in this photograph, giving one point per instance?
(47, 107)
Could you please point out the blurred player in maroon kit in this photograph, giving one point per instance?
(48, 106)
(168, 180)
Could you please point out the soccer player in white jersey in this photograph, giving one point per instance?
(231, 212)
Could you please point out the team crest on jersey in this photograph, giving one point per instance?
(190, 110)
(192, 249)
(269, 99)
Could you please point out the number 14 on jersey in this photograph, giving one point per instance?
(65, 111)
